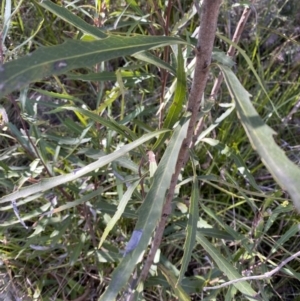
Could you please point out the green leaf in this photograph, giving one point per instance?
(110, 124)
(284, 171)
(154, 60)
(121, 207)
(178, 290)
(193, 218)
(228, 269)
(222, 58)
(42, 209)
(149, 212)
(230, 107)
(180, 94)
(179, 98)
(18, 135)
(75, 250)
(131, 76)
(70, 55)
(290, 233)
(250, 64)
(240, 164)
(49, 183)
(72, 19)
(237, 236)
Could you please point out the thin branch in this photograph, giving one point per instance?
(257, 277)
(292, 112)
(206, 36)
(231, 51)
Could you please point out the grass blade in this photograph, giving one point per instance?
(47, 184)
(226, 267)
(121, 207)
(193, 218)
(175, 109)
(72, 19)
(179, 291)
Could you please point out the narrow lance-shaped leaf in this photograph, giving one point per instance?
(191, 227)
(284, 171)
(250, 64)
(70, 55)
(118, 214)
(154, 60)
(179, 98)
(240, 164)
(180, 93)
(64, 14)
(179, 291)
(47, 184)
(228, 269)
(149, 212)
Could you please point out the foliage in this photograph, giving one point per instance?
(94, 118)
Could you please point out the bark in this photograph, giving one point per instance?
(206, 37)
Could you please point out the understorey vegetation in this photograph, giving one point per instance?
(150, 150)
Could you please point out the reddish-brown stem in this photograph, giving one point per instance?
(231, 51)
(206, 36)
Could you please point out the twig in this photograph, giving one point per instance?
(291, 113)
(206, 36)
(257, 277)
(231, 51)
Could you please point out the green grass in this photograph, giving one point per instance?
(74, 158)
